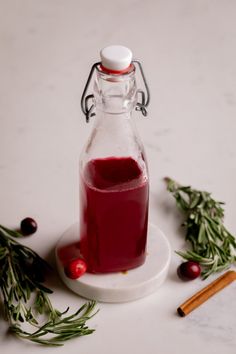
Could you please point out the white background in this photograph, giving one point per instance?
(188, 50)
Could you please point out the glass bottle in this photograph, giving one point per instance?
(114, 184)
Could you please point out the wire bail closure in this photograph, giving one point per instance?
(140, 106)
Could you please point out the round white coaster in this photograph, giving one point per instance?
(120, 286)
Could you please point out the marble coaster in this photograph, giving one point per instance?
(120, 286)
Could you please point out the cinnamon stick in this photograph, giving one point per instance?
(204, 294)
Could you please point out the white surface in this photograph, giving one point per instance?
(121, 286)
(188, 52)
(116, 57)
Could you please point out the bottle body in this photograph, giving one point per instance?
(114, 186)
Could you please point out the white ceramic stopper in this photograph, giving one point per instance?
(116, 57)
(120, 286)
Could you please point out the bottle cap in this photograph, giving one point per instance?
(116, 58)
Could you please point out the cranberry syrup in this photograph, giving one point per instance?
(113, 214)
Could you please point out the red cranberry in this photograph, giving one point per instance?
(189, 270)
(75, 268)
(28, 226)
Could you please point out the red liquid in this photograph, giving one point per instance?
(113, 215)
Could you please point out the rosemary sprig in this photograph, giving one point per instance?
(62, 329)
(24, 297)
(212, 245)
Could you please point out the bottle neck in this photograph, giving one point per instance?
(114, 135)
(115, 94)
(114, 125)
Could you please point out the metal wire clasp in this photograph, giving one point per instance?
(140, 106)
(145, 99)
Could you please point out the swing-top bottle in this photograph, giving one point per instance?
(114, 183)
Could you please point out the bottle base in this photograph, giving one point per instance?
(118, 269)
